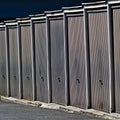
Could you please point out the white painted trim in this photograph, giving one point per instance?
(95, 6)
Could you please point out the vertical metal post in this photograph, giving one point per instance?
(33, 60)
(19, 61)
(7, 61)
(111, 62)
(48, 60)
(87, 60)
(66, 60)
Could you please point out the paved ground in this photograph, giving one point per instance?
(11, 111)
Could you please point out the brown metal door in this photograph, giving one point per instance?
(57, 60)
(3, 78)
(41, 61)
(99, 61)
(77, 71)
(13, 57)
(116, 34)
(26, 61)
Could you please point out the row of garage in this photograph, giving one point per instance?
(70, 57)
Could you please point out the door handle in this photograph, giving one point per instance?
(78, 81)
(42, 78)
(14, 77)
(28, 78)
(59, 80)
(101, 82)
(3, 76)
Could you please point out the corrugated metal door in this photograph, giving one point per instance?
(99, 60)
(41, 61)
(26, 61)
(3, 78)
(116, 34)
(57, 60)
(13, 57)
(77, 61)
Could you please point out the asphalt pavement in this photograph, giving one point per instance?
(12, 111)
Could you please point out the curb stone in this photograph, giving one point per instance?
(70, 109)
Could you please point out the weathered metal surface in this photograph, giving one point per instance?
(116, 34)
(77, 68)
(41, 61)
(26, 61)
(99, 60)
(13, 60)
(57, 60)
(3, 77)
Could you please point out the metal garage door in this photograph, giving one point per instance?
(116, 34)
(99, 60)
(13, 57)
(41, 60)
(3, 77)
(77, 72)
(57, 60)
(26, 60)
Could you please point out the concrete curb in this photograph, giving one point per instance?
(71, 109)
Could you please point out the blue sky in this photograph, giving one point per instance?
(23, 8)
